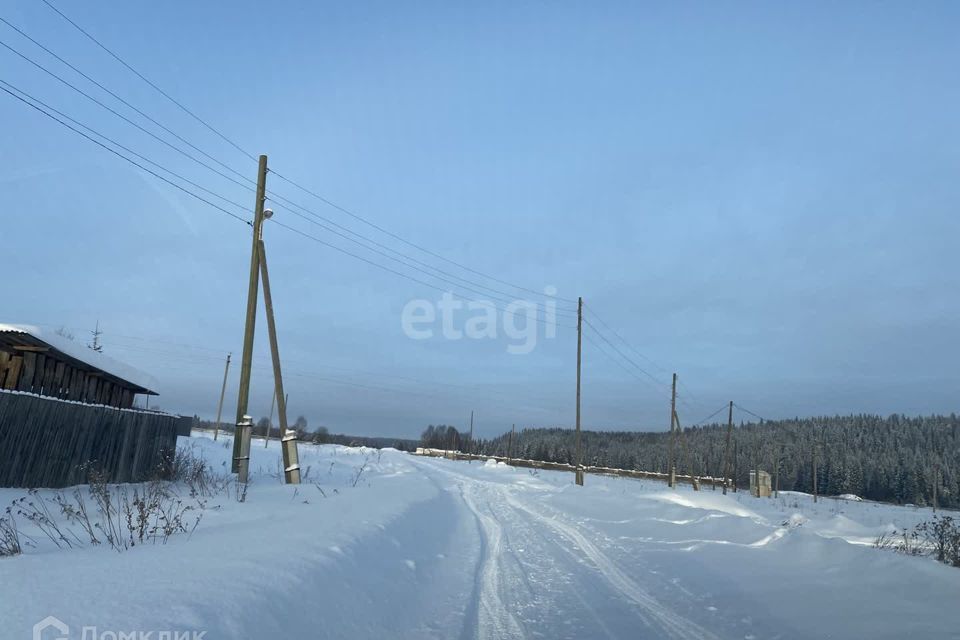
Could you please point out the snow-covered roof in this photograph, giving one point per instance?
(84, 354)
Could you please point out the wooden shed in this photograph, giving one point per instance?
(48, 364)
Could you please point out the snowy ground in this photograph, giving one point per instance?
(430, 548)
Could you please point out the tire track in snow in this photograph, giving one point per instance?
(655, 614)
(675, 625)
(533, 534)
(495, 620)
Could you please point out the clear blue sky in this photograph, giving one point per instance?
(761, 197)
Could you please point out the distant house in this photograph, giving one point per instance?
(48, 364)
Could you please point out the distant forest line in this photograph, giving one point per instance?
(889, 459)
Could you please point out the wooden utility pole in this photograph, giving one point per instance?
(470, 447)
(288, 438)
(578, 474)
(266, 436)
(252, 293)
(244, 429)
(671, 467)
(726, 451)
(510, 445)
(686, 453)
(223, 391)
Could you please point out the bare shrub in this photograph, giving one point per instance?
(34, 508)
(360, 470)
(120, 516)
(196, 474)
(906, 542)
(939, 538)
(241, 490)
(942, 537)
(9, 536)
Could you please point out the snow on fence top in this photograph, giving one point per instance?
(87, 356)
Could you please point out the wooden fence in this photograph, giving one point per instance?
(696, 481)
(46, 442)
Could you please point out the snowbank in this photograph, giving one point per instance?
(383, 544)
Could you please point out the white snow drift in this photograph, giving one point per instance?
(394, 546)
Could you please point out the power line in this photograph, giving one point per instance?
(170, 349)
(560, 312)
(615, 361)
(637, 352)
(220, 173)
(120, 99)
(124, 118)
(696, 424)
(268, 369)
(680, 399)
(622, 355)
(186, 154)
(275, 196)
(219, 357)
(621, 338)
(761, 418)
(413, 244)
(201, 359)
(326, 201)
(117, 144)
(120, 155)
(158, 89)
(386, 268)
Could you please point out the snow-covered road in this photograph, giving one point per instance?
(537, 573)
(397, 546)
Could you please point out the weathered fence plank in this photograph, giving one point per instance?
(45, 442)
